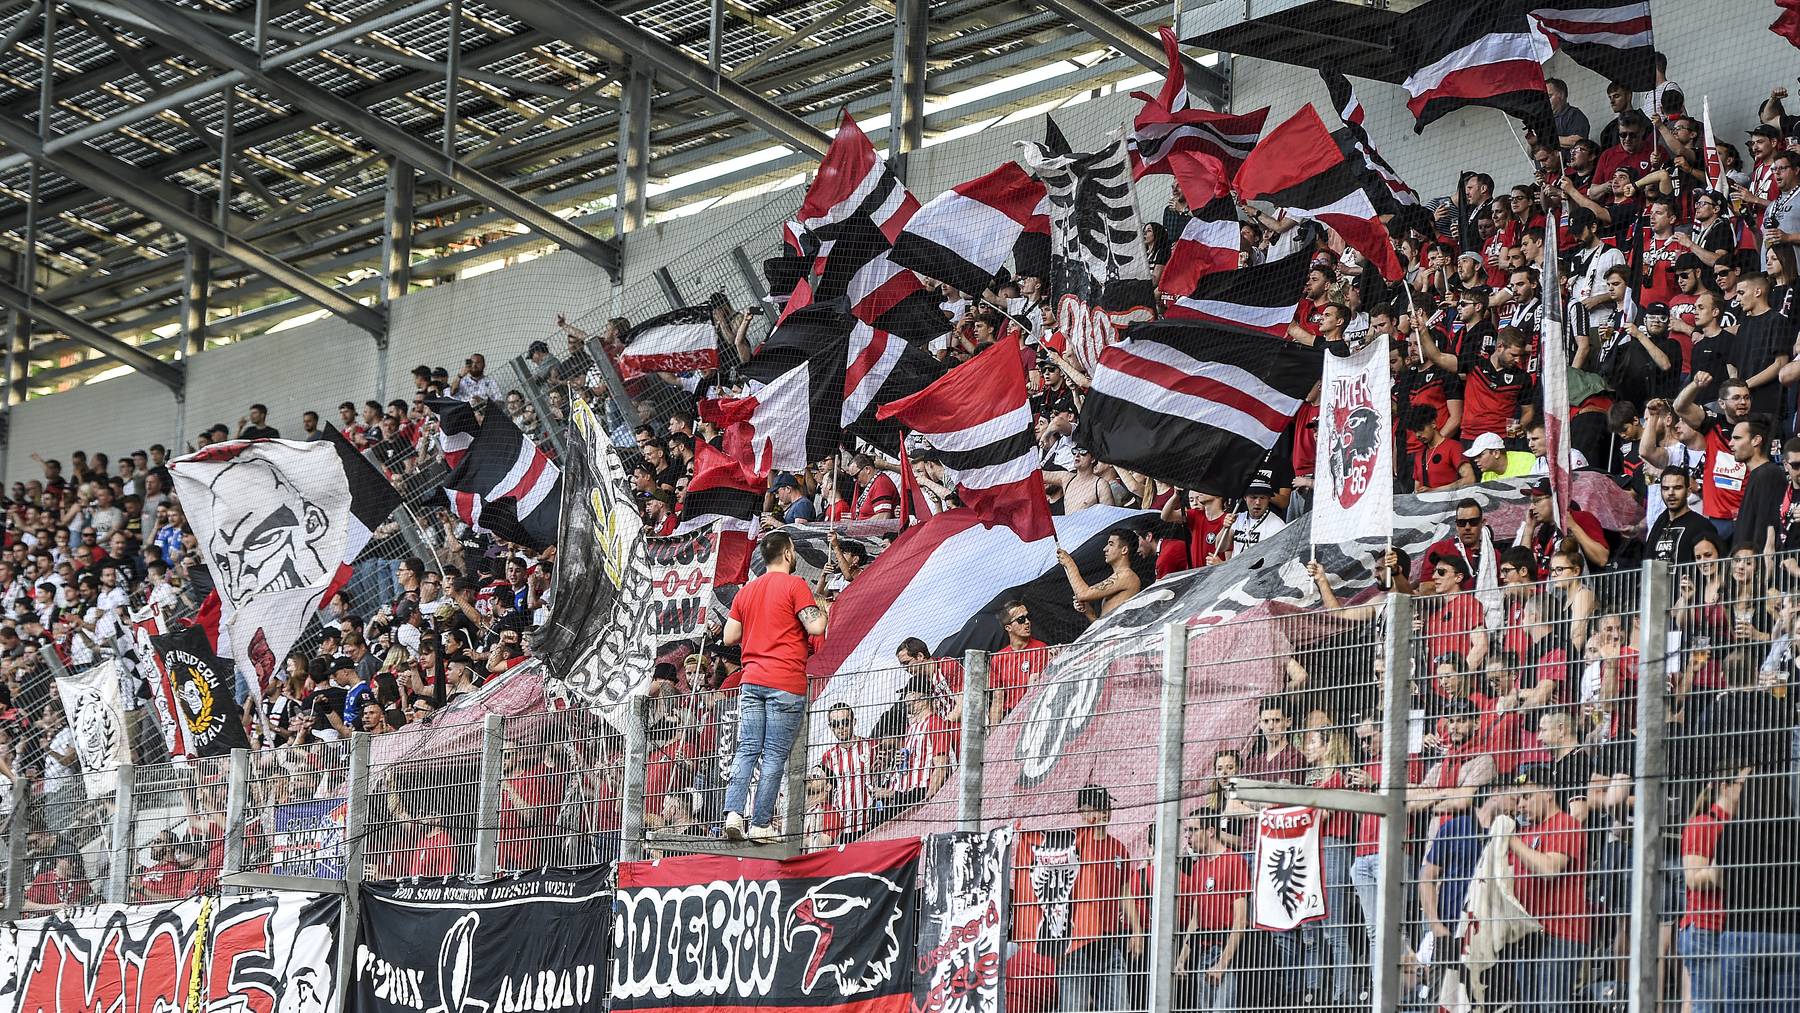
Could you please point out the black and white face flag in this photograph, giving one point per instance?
(536, 941)
(1100, 274)
(1288, 885)
(91, 702)
(1356, 448)
(962, 926)
(279, 523)
(602, 602)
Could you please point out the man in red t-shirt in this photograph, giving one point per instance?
(772, 617)
(1458, 624)
(1439, 462)
(875, 495)
(1012, 668)
(1220, 883)
(1548, 853)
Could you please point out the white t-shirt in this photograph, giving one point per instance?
(1248, 533)
(64, 742)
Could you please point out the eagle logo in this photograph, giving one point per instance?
(853, 920)
(1355, 440)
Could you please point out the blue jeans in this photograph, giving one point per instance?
(1365, 878)
(1761, 971)
(1546, 970)
(1092, 979)
(1334, 930)
(768, 719)
(1699, 949)
(1204, 995)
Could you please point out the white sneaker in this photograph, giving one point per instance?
(763, 835)
(734, 826)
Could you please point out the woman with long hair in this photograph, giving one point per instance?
(1703, 910)
(1328, 759)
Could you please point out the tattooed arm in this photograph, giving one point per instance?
(813, 618)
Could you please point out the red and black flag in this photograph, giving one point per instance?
(457, 426)
(1199, 147)
(1788, 24)
(726, 492)
(1204, 247)
(1386, 189)
(1475, 54)
(675, 342)
(1195, 406)
(833, 930)
(507, 486)
(978, 419)
(964, 235)
(1612, 38)
(1299, 168)
(1263, 297)
(203, 685)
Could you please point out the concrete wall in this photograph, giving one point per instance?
(1723, 49)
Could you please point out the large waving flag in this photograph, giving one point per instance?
(675, 342)
(1299, 168)
(963, 236)
(1200, 148)
(1389, 190)
(507, 486)
(978, 419)
(279, 524)
(724, 492)
(1263, 297)
(1612, 38)
(1195, 406)
(1474, 54)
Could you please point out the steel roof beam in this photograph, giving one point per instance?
(602, 32)
(169, 374)
(186, 32)
(1117, 31)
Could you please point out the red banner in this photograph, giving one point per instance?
(832, 930)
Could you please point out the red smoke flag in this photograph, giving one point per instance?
(978, 419)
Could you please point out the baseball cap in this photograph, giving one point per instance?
(1541, 774)
(1657, 309)
(1469, 255)
(785, 482)
(1258, 487)
(1539, 488)
(1483, 443)
(1764, 130)
(538, 346)
(1460, 708)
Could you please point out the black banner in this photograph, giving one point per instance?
(962, 932)
(204, 685)
(531, 942)
(832, 930)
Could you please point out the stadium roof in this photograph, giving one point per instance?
(117, 112)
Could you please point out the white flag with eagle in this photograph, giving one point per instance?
(1354, 474)
(1288, 884)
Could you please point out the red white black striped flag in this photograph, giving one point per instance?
(1193, 405)
(1390, 188)
(676, 342)
(1475, 54)
(1299, 167)
(1262, 298)
(1199, 147)
(978, 419)
(507, 486)
(1612, 38)
(854, 181)
(963, 236)
(724, 491)
(457, 426)
(1203, 248)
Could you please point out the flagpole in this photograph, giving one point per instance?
(1514, 128)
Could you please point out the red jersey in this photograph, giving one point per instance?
(1012, 669)
(1306, 439)
(1639, 163)
(775, 644)
(851, 764)
(435, 855)
(1658, 265)
(879, 498)
(1722, 480)
(1704, 909)
(1447, 629)
(1491, 398)
(1558, 901)
(1438, 466)
(1219, 880)
(1205, 536)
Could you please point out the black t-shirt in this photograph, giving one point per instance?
(1760, 339)
(1709, 355)
(1761, 505)
(326, 702)
(1672, 539)
(259, 433)
(1633, 374)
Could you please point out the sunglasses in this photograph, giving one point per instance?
(1467, 522)
(841, 722)
(1440, 572)
(1018, 619)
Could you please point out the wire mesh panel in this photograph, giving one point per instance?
(177, 846)
(424, 813)
(68, 843)
(296, 801)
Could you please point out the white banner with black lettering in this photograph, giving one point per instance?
(1353, 476)
(90, 700)
(681, 578)
(962, 944)
(1288, 886)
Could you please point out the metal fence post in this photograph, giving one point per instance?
(534, 393)
(118, 870)
(1652, 772)
(1390, 906)
(487, 806)
(975, 711)
(637, 762)
(1163, 916)
(16, 829)
(237, 801)
(356, 822)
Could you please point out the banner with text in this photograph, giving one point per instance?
(262, 952)
(832, 930)
(1288, 885)
(681, 573)
(536, 941)
(962, 941)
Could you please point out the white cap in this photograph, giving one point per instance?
(1484, 443)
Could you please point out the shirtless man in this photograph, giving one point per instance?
(1118, 587)
(1082, 488)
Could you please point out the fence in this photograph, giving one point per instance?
(1626, 737)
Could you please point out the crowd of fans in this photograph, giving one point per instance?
(1680, 309)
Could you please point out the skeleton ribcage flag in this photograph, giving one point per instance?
(278, 524)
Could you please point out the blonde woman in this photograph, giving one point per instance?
(1326, 748)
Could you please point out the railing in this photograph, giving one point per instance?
(1656, 702)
